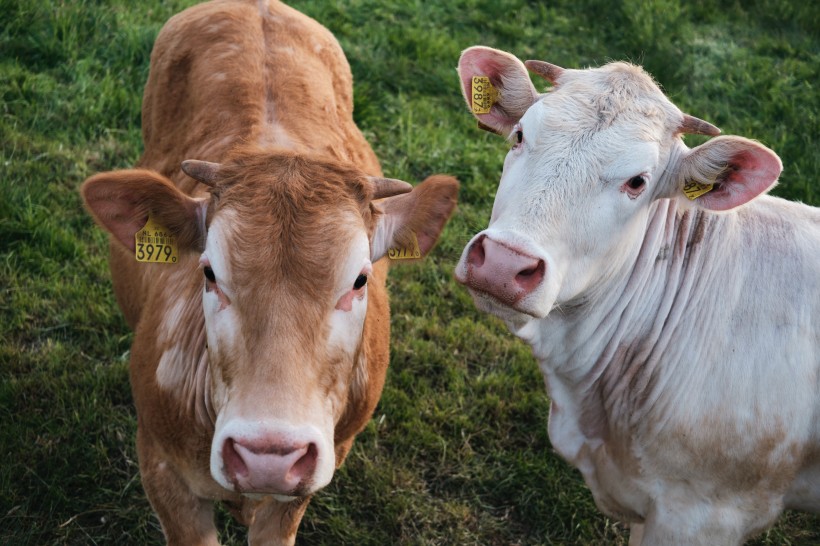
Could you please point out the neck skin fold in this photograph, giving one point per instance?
(604, 357)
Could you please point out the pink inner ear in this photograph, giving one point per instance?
(485, 66)
(477, 63)
(118, 215)
(483, 61)
(427, 241)
(750, 173)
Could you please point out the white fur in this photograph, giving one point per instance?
(169, 369)
(346, 326)
(670, 339)
(383, 235)
(222, 326)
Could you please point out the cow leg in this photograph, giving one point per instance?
(662, 535)
(635, 534)
(185, 518)
(693, 525)
(804, 492)
(275, 523)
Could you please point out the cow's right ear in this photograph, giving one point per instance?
(121, 201)
(511, 94)
(414, 218)
(735, 169)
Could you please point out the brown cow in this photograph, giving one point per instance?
(261, 340)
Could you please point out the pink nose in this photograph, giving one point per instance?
(269, 465)
(501, 271)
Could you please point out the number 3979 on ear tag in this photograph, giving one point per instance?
(412, 253)
(155, 244)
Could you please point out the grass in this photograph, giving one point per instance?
(457, 452)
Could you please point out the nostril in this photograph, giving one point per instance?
(306, 465)
(269, 463)
(476, 255)
(527, 272)
(234, 464)
(532, 276)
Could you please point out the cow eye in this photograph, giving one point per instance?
(361, 280)
(209, 273)
(519, 136)
(636, 182)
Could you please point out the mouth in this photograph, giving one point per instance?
(489, 304)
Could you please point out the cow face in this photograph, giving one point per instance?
(587, 160)
(286, 248)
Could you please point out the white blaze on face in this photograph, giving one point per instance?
(274, 432)
(347, 319)
(221, 319)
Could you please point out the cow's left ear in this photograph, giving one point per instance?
(738, 168)
(415, 217)
(122, 201)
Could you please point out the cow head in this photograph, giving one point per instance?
(285, 246)
(587, 160)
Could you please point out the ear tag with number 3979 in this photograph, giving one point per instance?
(155, 244)
(412, 253)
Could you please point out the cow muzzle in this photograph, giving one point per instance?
(281, 461)
(506, 273)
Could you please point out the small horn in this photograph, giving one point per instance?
(387, 187)
(694, 126)
(549, 72)
(202, 171)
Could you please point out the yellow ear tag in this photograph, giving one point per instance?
(484, 95)
(155, 244)
(405, 253)
(693, 189)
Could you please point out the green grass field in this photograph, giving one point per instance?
(457, 452)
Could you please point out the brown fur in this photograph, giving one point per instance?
(267, 93)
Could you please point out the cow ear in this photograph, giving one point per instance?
(415, 217)
(499, 107)
(738, 168)
(121, 201)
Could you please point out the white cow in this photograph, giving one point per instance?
(679, 340)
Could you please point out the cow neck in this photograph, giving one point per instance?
(607, 357)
